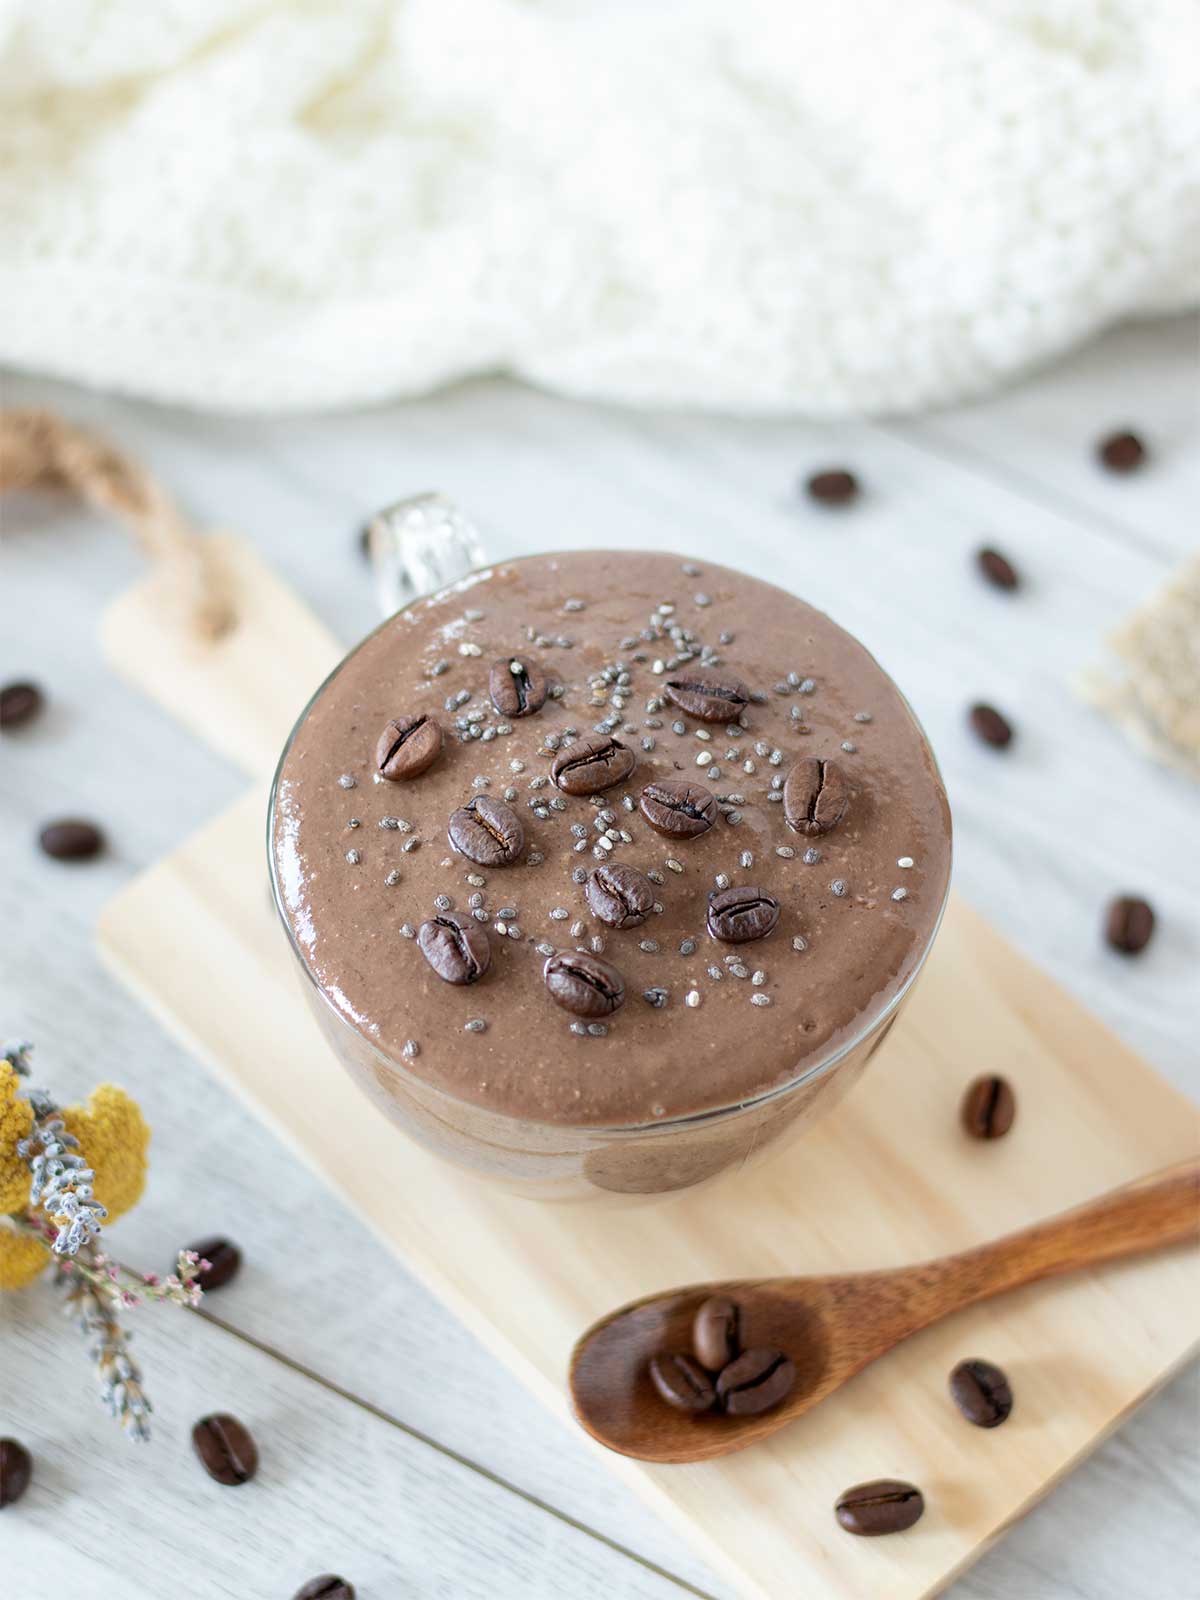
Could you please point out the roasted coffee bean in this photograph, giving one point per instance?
(1129, 924)
(517, 686)
(592, 764)
(885, 1506)
(682, 1383)
(833, 487)
(991, 726)
(1121, 452)
(678, 810)
(620, 896)
(815, 796)
(997, 569)
(716, 1332)
(407, 746)
(737, 915)
(71, 840)
(981, 1392)
(326, 1587)
(711, 696)
(754, 1382)
(988, 1108)
(457, 948)
(583, 983)
(487, 831)
(19, 702)
(226, 1450)
(223, 1257)
(16, 1469)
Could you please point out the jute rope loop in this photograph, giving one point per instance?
(41, 452)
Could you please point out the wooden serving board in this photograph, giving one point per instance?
(886, 1179)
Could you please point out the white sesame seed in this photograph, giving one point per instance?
(905, 861)
(839, 888)
(411, 1049)
(799, 942)
(760, 999)
(468, 649)
(849, 746)
(353, 857)
(746, 859)
(673, 865)
(758, 978)
(784, 850)
(692, 998)
(347, 781)
(476, 1025)
(407, 930)
(899, 894)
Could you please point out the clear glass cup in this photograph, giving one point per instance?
(416, 546)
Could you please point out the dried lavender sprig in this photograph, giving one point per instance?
(120, 1377)
(61, 1185)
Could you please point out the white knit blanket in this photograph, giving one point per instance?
(827, 206)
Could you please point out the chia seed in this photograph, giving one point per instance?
(476, 1025)
(839, 888)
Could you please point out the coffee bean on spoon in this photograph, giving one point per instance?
(737, 915)
(407, 746)
(678, 810)
(487, 832)
(711, 696)
(223, 1257)
(832, 487)
(884, 1506)
(991, 726)
(997, 569)
(327, 1587)
(16, 1470)
(815, 796)
(620, 895)
(716, 1332)
(592, 764)
(981, 1392)
(1121, 452)
(457, 948)
(583, 984)
(226, 1449)
(755, 1381)
(682, 1383)
(19, 703)
(1129, 924)
(71, 839)
(989, 1108)
(517, 687)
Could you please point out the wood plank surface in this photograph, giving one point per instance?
(887, 1179)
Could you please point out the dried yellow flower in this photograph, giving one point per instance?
(113, 1136)
(22, 1257)
(16, 1119)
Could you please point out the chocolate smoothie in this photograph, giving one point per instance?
(607, 841)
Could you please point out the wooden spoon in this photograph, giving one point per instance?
(833, 1327)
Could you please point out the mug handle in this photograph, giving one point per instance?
(419, 545)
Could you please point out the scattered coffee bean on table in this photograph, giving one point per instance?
(716, 1332)
(997, 569)
(678, 810)
(981, 1392)
(487, 832)
(989, 1108)
(754, 1382)
(1121, 452)
(16, 1469)
(738, 915)
(407, 747)
(583, 984)
(592, 764)
(223, 1257)
(832, 487)
(682, 1383)
(226, 1449)
(457, 948)
(991, 726)
(1129, 924)
(19, 703)
(815, 796)
(517, 687)
(884, 1506)
(326, 1587)
(710, 696)
(620, 895)
(71, 839)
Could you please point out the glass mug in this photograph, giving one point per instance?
(416, 547)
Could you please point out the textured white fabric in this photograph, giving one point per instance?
(831, 206)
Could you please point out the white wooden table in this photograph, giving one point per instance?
(395, 1450)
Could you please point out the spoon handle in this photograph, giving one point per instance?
(1158, 1210)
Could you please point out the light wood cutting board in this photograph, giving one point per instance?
(887, 1179)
